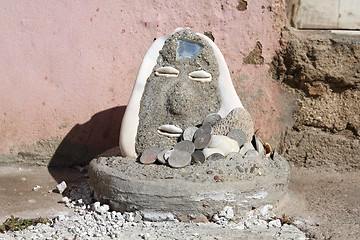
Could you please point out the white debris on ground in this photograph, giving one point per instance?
(93, 220)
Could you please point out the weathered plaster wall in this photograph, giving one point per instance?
(68, 68)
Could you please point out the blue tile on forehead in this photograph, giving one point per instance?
(187, 51)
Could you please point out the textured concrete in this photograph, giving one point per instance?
(241, 183)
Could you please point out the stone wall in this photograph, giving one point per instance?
(322, 70)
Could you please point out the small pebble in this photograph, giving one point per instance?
(186, 146)
(61, 187)
(188, 133)
(215, 157)
(217, 178)
(179, 159)
(212, 118)
(149, 155)
(237, 135)
(198, 157)
(201, 139)
(161, 156)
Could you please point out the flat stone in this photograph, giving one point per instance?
(161, 156)
(226, 144)
(188, 133)
(237, 135)
(212, 118)
(186, 146)
(179, 159)
(61, 187)
(198, 157)
(215, 157)
(205, 128)
(149, 155)
(247, 146)
(208, 151)
(201, 139)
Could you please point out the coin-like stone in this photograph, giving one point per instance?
(198, 157)
(212, 118)
(205, 128)
(161, 156)
(149, 155)
(186, 146)
(201, 140)
(188, 133)
(215, 157)
(179, 159)
(237, 135)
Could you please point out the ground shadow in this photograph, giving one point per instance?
(85, 141)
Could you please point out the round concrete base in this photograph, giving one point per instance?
(241, 182)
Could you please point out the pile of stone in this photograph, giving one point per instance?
(215, 139)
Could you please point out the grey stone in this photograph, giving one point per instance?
(161, 156)
(237, 135)
(189, 132)
(179, 159)
(215, 157)
(212, 118)
(149, 155)
(157, 216)
(186, 146)
(227, 212)
(202, 136)
(198, 157)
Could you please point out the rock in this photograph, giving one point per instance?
(186, 146)
(238, 118)
(227, 212)
(64, 200)
(100, 209)
(129, 216)
(61, 187)
(206, 128)
(149, 155)
(157, 216)
(275, 223)
(237, 135)
(247, 146)
(215, 157)
(36, 188)
(212, 118)
(208, 151)
(179, 159)
(198, 157)
(188, 133)
(168, 154)
(201, 139)
(224, 143)
(161, 156)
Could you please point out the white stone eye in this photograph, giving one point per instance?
(200, 76)
(167, 71)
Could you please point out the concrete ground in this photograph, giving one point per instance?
(328, 202)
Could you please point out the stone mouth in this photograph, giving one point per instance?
(169, 130)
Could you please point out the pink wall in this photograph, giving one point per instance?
(64, 61)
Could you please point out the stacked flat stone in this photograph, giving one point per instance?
(215, 139)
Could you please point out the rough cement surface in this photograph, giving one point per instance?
(322, 70)
(178, 100)
(324, 204)
(201, 189)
